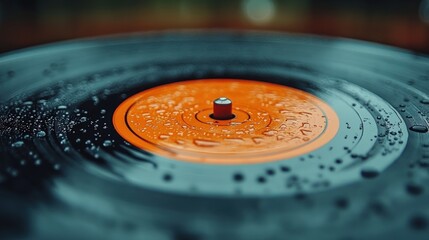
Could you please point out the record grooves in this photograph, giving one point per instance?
(328, 138)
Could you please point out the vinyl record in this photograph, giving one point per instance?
(214, 135)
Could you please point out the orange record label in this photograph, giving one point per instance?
(269, 121)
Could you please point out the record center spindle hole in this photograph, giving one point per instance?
(222, 109)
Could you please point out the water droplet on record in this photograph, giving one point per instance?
(18, 144)
(419, 128)
(369, 173)
(41, 134)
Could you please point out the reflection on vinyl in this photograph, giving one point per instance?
(214, 135)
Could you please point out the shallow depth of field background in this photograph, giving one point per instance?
(403, 23)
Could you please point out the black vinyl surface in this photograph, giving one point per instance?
(66, 174)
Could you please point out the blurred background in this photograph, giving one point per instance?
(403, 23)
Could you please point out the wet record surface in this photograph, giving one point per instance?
(267, 122)
(65, 164)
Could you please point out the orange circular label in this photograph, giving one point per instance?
(271, 122)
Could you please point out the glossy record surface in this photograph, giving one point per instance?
(64, 166)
